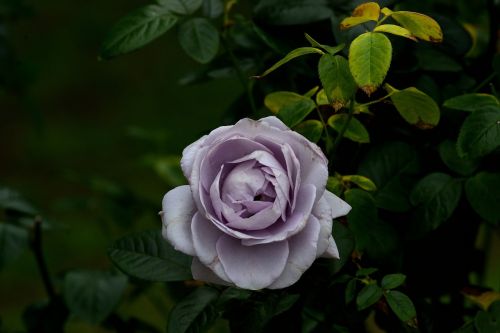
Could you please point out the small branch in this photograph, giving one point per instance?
(36, 247)
(344, 128)
(485, 82)
(378, 100)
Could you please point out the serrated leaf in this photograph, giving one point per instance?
(337, 81)
(136, 30)
(362, 181)
(330, 49)
(13, 241)
(182, 7)
(290, 56)
(148, 256)
(365, 12)
(290, 107)
(391, 167)
(370, 57)
(93, 295)
(420, 25)
(199, 39)
(395, 30)
(392, 281)
(350, 291)
(480, 133)
(194, 313)
(449, 155)
(366, 271)
(369, 295)
(401, 305)
(312, 129)
(355, 131)
(471, 102)
(436, 196)
(416, 107)
(483, 191)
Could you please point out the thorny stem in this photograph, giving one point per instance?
(36, 247)
(344, 128)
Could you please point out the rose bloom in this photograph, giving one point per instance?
(255, 213)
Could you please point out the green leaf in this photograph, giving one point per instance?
(362, 181)
(401, 305)
(334, 185)
(471, 102)
(436, 196)
(213, 8)
(483, 191)
(395, 30)
(312, 129)
(350, 291)
(420, 25)
(355, 131)
(321, 98)
(310, 93)
(13, 241)
(93, 295)
(372, 236)
(330, 49)
(182, 7)
(392, 281)
(488, 321)
(345, 244)
(430, 59)
(290, 56)
(416, 107)
(449, 155)
(366, 271)
(290, 107)
(365, 12)
(370, 57)
(194, 313)
(136, 30)
(480, 133)
(337, 81)
(13, 200)
(199, 39)
(148, 256)
(295, 12)
(369, 295)
(391, 167)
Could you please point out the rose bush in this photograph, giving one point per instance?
(256, 213)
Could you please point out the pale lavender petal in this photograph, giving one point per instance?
(339, 207)
(203, 273)
(302, 254)
(178, 210)
(295, 223)
(274, 122)
(189, 156)
(332, 251)
(252, 267)
(205, 237)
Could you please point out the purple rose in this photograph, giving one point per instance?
(256, 213)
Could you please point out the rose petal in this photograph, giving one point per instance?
(252, 267)
(189, 155)
(302, 254)
(203, 273)
(178, 210)
(332, 251)
(274, 122)
(339, 207)
(205, 237)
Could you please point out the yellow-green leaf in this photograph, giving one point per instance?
(363, 182)
(420, 25)
(369, 11)
(312, 129)
(321, 98)
(290, 56)
(338, 84)
(416, 107)
(395, 30)
(370, 57)
(290, 107)
(330, 49)
(355, 131)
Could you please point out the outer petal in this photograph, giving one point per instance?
(178, 210)
(302, 254)
(203, 273)
(274, 122)
(189, 155)
(252, 267)
(205, 237)
(331, 251)
(339, 207)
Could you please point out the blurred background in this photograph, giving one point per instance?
(72, 127)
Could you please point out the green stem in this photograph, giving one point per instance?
(382, 20)
(344, 128)
(246, 84)
(485, 82)
(378, 100)
(36, 246)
